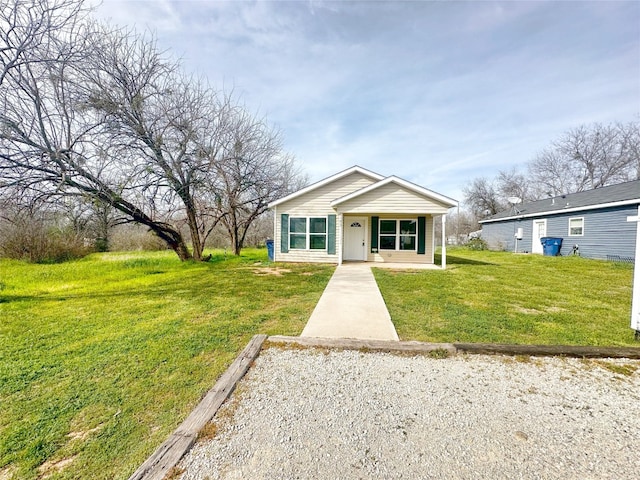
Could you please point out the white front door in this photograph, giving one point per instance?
(539, 231)
(355, 232)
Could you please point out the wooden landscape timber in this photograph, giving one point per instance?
(550, 350)
(182, 439)
(454, 348)
(371, 345)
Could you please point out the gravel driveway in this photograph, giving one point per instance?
(313, 414)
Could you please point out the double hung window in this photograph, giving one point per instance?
(576, 227)
(398, 234)
(308, 233)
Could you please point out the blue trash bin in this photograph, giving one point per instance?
(269, 244)
(551, 246)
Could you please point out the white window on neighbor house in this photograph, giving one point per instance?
(398, 234)
(307, 233)
(576, 227)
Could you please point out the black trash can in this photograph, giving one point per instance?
(269, 244)
(551, 246)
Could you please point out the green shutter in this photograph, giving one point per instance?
(331, 235)
(284, 233)
(422, 234)
(374, 234)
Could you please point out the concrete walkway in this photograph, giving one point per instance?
(351, 306)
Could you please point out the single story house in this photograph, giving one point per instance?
(358, 215)
(592, 223)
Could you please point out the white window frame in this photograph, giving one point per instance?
(398, 234)
(581, 234)
(308, 233)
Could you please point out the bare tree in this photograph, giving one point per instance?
(99, 113)
(587, 157)
(51, 142)
(197, 152)
(29, 25)
(511, 183)
(253, 171)
(158, 121)
(482, 197)
(630, 141)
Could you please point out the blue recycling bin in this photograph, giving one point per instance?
(269, 244)
(551, 246)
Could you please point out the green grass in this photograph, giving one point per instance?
(101, 358)
(500, 297)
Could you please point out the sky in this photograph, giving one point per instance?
(438, 93)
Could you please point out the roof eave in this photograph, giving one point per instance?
(564, 210)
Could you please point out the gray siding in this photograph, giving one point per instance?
(500, 235)
(606, 232)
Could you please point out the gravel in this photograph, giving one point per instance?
(315, 414)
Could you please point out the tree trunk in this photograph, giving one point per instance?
(196, 243)
(182, 251)
(237, 243)
(171, 237)
(232, 230)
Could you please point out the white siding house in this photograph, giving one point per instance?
(358, 215)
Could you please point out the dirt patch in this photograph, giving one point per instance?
(51, 467)
(81, 435)
(527, 311)
(554, 309)
(7, 472)
(533, 311)
(619, 366)
(277, 271)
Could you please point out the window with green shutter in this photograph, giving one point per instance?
(374, 234)
(284, 233)
(331, 234)
(422, 235)
(307, 233)
(398, 234)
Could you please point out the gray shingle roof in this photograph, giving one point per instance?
(628, 191)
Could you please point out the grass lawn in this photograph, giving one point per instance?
(100, 359)
(500, 297)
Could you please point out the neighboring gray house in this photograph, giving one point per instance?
(595, 221)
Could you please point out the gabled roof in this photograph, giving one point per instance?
(403, 183)
(337, 176)
(627, 193)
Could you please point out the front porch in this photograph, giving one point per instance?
(390, 239)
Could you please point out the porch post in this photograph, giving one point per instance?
(444, 242)
(275, 232)
(340, 237)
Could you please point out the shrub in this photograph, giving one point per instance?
(477, 243)
(36, 241)
(134, 237)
